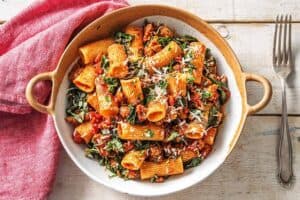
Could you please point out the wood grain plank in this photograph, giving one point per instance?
(252, 44)
(253, 156)
(233, 10)
(215, 10)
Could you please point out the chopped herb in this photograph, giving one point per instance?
(219, 83)
(164, 41)
(213, 117)
(185, 40)
(114, 145)
(149, 98)
(113, 84)
(190, 79)
(205, 95)
(181, 102)
(207, 53)
(115, 169)
(189, 68)
(92, 152)
(141, 145)
(173, 136)
(135, 68)
(149, 94)
(149, 133)
(103, 161)
(107, 99)
(123, 38)
(223, 95)
(189, 55)
(132, 115)
(104, 62)
(153, 179)
(77, 106)
(162, 84)
(193, 163)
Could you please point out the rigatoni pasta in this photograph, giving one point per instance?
(86, 79)
(85, 130)
(198, 51)
(117, 61)
(164, 57)
(136, 46)
(165, 168)
(148, 103)
(89, 52)
(149, 132)
(194, 130)
(156, 111)
(106, 102)
(187, 155)
(133, 159)
(132, 90)
(177, 83)
(92, 100)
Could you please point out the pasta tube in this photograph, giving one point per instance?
(187, 155)
(164, 57)
(92, 100)
(165, 168)
(209, 138)
(133, 160)
(177, 84)
(165, 31)
(117, 61)
(132, 90)
(198, 51)
(148, 132)
(85, 81)
(156, 111)
(136, 47)
(194, 130)
(85, 130)
(89, 52)
(107, 105)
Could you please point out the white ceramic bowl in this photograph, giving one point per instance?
(183, 23)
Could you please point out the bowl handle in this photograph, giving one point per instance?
(267, 92)
(49, 109)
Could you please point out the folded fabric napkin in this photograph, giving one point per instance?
(31, 43)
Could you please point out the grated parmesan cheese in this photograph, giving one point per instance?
(196, 116)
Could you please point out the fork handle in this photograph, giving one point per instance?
(285, 151)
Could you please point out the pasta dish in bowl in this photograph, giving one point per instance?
(149, 92)
(146, 102)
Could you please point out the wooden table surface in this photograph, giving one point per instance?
(249, 171)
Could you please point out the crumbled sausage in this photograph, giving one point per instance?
(148, 32)
(165, 31)
(141, 112)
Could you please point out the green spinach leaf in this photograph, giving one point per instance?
(77, 106)
(113, 84)
(193, 163)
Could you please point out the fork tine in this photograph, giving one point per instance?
(290, 39)
(285, 51)
(275, 40)
(279, 52)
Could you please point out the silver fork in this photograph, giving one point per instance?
(282, 65)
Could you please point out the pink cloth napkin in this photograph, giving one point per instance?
(31, 43)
